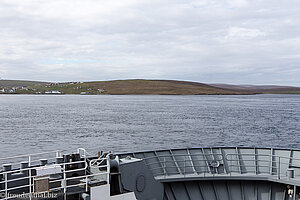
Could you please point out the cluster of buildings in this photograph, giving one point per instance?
(51, 88)
(21, 89)
(100, 90)
(16, 89)
(53, 92)
(61, 84)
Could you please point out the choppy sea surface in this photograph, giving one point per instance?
(34, 123)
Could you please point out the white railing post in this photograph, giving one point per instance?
(33, 190)
(86, 178)
(164, 166)
(229, 165)
(86, 184)
(65, 182)
(294, 195)
(270, 165)
(30, 189)
(29, 160)
(6, 193)
(58, 154)
(279, 168)
(84, 151)
(108, 169)
(184, 166)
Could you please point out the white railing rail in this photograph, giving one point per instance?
(63, 182)
(102, 163)
(31, 159)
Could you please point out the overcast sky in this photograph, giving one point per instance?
(210, 41)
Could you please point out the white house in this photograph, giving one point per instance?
(53, 92)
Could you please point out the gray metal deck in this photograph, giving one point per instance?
(217, 173)
(208, 173)
(225, 190)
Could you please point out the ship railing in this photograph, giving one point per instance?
(101, 164)
(233, 164)
(24, 180)
(31, 159)
(283, 167)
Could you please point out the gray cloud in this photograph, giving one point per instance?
(231, 41)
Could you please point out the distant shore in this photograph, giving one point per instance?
(137, 87)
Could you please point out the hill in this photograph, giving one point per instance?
(137, 86)
(267, 89)
(140, 86)
(19, 83)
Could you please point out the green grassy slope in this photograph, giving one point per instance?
(141, 86)
(19, 83)
(138, 86)
(265, 89)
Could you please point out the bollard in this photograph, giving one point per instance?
(43, 162)
(290, 173)
(59, 160)
(6, 167)
(24, 165)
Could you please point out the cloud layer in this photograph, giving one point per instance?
(231, 41)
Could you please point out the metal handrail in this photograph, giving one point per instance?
(198, 154)
(65, 182)
(193, 160)
(34, 154)
(220, 154)
(231, 165)
(58, 188)
(35, 167)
